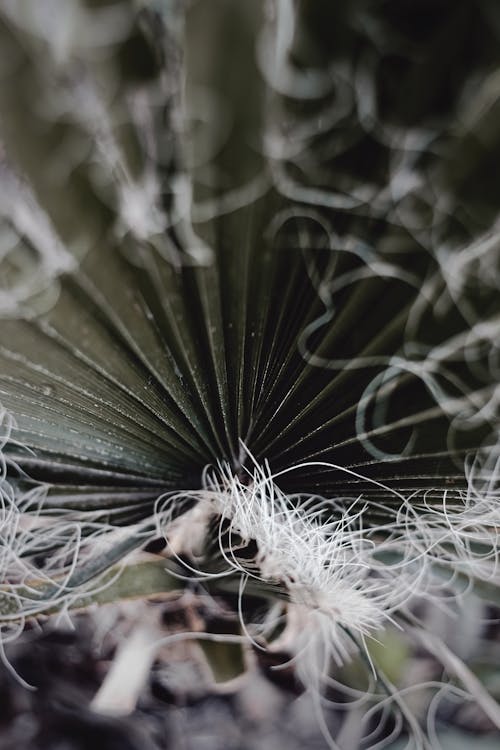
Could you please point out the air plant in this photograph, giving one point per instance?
(249, 295)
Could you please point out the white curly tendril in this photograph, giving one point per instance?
(345, 576)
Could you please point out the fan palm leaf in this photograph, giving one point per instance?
(284, 267)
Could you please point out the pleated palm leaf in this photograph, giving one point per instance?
(250, 302)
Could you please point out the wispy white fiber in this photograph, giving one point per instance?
(30, 246)
(42, 551)
(344, 576)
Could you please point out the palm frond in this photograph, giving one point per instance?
(277, 257)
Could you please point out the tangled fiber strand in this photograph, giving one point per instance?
(408, 225)
(345, 579)
(339, 569)
(111, 155)
(44, 552)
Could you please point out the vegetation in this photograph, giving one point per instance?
(249, 292)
